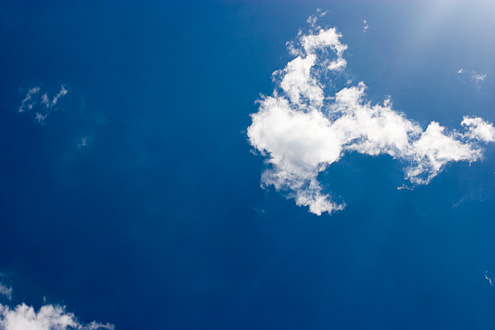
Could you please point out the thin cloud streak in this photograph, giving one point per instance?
(488, 278)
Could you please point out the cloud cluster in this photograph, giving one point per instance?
(48, 317)
(42, 104)
(307, 124)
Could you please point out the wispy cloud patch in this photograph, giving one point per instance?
(42, 106)
(50, 103)
(471, 76)
(6, 291)
(488, 278)
(28, 102)
(365, 26)
(477, 78)
(84, 142)
(307, 124)
(313, 19)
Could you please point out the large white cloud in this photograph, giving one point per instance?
(301, 130)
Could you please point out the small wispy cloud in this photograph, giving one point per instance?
(365, 26)
(46, 100)
(84, 142)
(471, 76)
(28, 102)
(6, 291)
(302, 131)
(313, 19)
(489, 278)
(477, 78)
(42, 106)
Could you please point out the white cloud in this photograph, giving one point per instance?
(28, 102)
(473, 76)
(43, 105)
(477, 78)
(488, 278)
(40, 118)
(313, 19)
(84, 142)
(365, 26)
(479, 129)
(5, 291)
(55, 99)
(301, 130)
(49, 317)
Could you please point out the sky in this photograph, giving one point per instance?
(247, 165)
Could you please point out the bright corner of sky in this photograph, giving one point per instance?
(247, 165)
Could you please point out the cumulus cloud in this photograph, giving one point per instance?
(478, 129)
(42, 106)
(307, 124)
(48, 317)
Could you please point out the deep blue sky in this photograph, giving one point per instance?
(159, 222)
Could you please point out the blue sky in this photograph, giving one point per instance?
(158, 172)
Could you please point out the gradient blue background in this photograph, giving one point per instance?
(160, 223)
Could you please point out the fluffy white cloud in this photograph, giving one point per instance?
(479, 129)
(43, 105)
(301, 130)
(49, 317)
